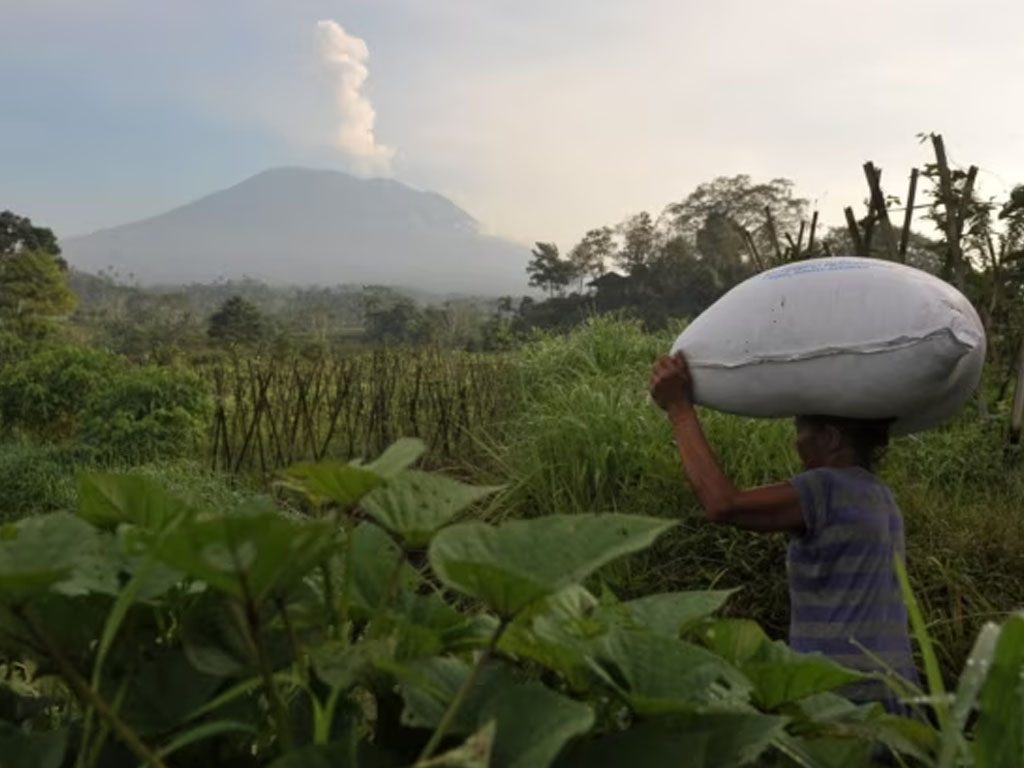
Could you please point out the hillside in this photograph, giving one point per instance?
(302, 226)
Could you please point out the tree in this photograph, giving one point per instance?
(238, 321)
(391, 318)
(18, 233)
(743, 205)
(34, 292)
(590, 256)
(639, 243)
(548, 270)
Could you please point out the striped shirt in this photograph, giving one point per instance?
(845, 598)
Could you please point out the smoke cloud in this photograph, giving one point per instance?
(347, 56)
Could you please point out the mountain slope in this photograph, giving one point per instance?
(302, 226)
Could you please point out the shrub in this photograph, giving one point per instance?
(257, 638)
(43, 394)
(146, 413)
(36, 479)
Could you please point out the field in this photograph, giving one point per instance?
(565, 423)
(565, 427)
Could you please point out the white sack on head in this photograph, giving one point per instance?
(860, 338)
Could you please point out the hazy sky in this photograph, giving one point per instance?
(541, 117)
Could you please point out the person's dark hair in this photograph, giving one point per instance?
(867, 437)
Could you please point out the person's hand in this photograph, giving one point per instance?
(671, 385)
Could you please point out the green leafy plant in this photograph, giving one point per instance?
(43, 394)
(146, 412)
(383, 627)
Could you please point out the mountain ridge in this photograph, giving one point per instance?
(297, 225)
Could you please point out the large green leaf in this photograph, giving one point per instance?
(671, 613)
(659, 675)
(398, 456)
(164, 691)
(341, 665)
(20, 749)
(709, 740)
(255, 553)
(429, 685)
(55, 552)
(474, 752)
(999, 734)
(213, 641)
(378, 564)
(515, 564)
(71, 623)
(106, 500)
(336, 481)
(347, 483)
(736, 640)
(779, 675)
(835, 732)
(415, 504)
(533, 725)
(827, 751)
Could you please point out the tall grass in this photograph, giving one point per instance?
(583, 435)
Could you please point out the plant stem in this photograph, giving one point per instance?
(460, 696)
(346, 585)
(277, 708)
(293, 640)
(92, 698)
(389, 592)
(329, 597)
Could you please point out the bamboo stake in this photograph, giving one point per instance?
(908, 216)
(854, 230)
(773, 233)
(952, 270)
(810, 239)
(878, 204)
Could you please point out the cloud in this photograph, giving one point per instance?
(347, 56)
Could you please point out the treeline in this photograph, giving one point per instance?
(677, 263)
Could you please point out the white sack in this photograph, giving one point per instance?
(861, 338)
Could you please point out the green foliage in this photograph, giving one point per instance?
(44, 394)
(33, 293)
(19, 234)
(582, 436)
(548, 270)
(253, 636)
(237, 322)
(36, 479)
(146, 412)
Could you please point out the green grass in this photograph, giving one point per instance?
(39, 478)
(581, 435)
(584, 436)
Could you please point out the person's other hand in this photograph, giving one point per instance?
(671, 385)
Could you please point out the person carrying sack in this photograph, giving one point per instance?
(844, 528)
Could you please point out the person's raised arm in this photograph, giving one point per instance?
(768, 508)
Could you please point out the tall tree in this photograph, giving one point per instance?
(639, 243)
(548, 270)
(238, 321)
(18, 233)
(33, 292)
(743, 205)
(390, 317)
(591, 255)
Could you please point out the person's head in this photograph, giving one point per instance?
(832, 441)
